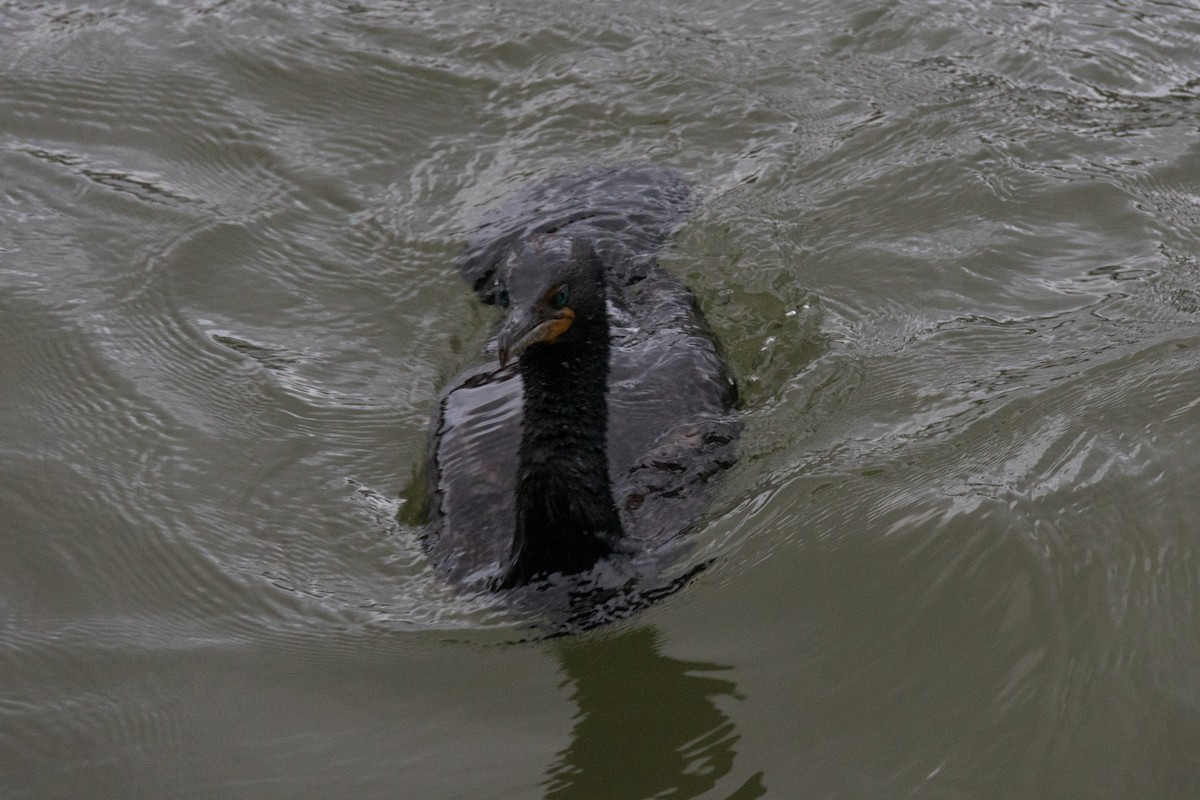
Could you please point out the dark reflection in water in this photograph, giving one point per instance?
(648, 725)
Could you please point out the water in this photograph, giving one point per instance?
(950, 250)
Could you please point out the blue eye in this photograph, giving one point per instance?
(561, 297)
(502, 298)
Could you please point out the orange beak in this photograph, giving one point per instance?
(521, 331)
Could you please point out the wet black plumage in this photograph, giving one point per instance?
(592, 433)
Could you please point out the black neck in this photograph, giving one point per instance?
(566, 519)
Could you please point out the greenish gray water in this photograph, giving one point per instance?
(951, 251)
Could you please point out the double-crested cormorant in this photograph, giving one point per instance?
(591, 433)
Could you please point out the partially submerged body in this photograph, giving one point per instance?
(660, 406)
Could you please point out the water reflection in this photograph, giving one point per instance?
(648, 725)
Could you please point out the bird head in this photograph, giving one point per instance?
(552, 288)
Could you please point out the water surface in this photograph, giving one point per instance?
(951, 252)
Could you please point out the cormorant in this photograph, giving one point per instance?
(592, 431)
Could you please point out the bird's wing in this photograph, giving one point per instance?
(473, 469)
